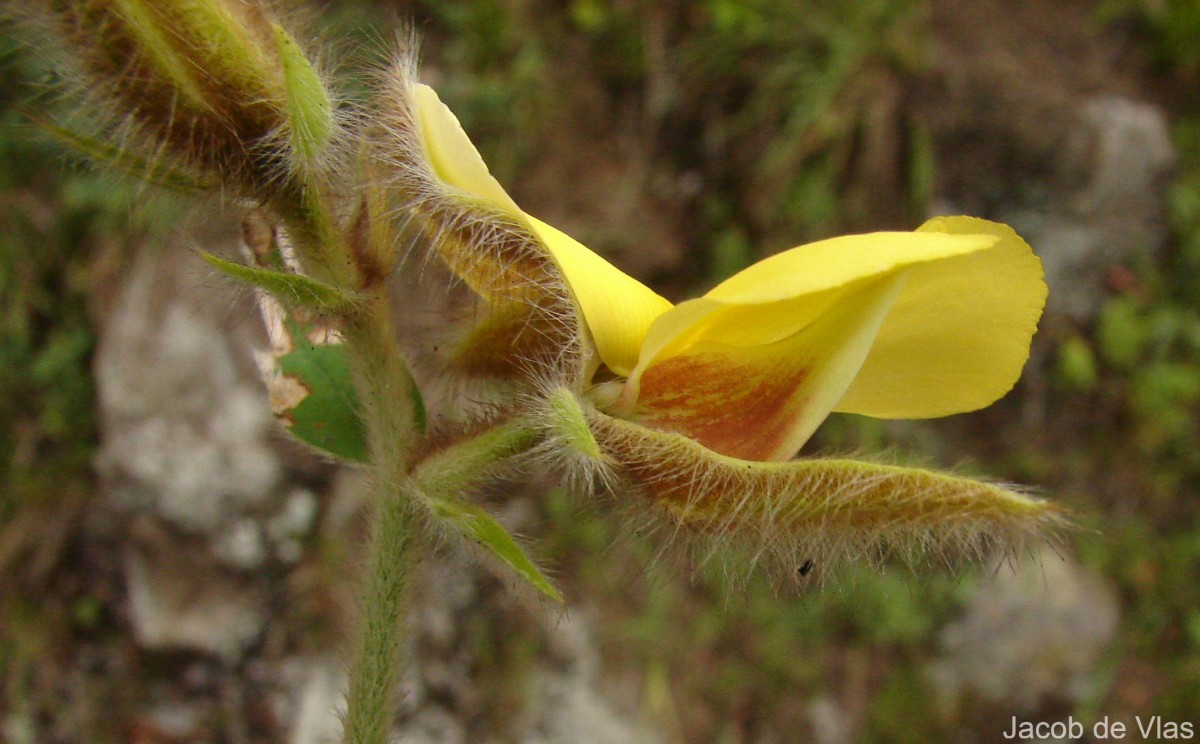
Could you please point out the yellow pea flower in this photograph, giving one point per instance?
(699, 407)
(889, 324)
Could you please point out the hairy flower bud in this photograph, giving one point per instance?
(216, 86)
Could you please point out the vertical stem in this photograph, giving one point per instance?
(310, 226)
(392, 409)
(394, 419)
(371, 699)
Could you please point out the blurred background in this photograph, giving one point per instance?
(172, 569)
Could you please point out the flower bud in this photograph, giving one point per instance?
(216, 86)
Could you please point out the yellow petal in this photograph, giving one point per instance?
(618, 309)
(531, 327)
(762, 401)
(755, 365)
(454, 158)
(799, 279)
(959, 334)
(837, 261)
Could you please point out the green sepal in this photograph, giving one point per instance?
(310, 112)
(293, 290)
(475, 524)
(326, 417)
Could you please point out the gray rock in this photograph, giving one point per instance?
(1120, 157)
(1029, 636)
(294, 521)
(1133, 155)
(831, 724)
(431, 725)
(242, 546)
(200, 497)
(1100, 206)
(569, 708)
(191, 462)
(1050, 141)
(181, 599)
(185, 427)
(176, 720)
(186, 456)
(313, 699)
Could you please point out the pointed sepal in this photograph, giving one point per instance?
(820, 510)
(475, 524)
(310, 111)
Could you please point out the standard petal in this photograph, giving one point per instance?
(959, 334)
(795, 283)
(453, 156)
(755, 365)
(762, 401)
(837, 261)
(618, 308)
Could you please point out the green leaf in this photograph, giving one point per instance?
(293, 290)
(122, 160)
(324, 413)
(477, 525)
(309, 109)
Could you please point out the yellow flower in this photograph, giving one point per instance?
(687, 406)
(890, 324)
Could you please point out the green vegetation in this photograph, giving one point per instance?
(1137, 372)
(793, 113)
(52, 221)
(1169, 29)
(62, 232)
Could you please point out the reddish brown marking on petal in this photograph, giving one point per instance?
(510, 341)
(737, 409)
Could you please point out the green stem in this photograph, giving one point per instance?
(392, 408)
(394, 418)
(460, 466)
(322, 251)
(371, 699)
(393, 414)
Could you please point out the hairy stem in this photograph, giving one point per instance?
(392, 412)
(455, 469)
(392, 409)
(371, 699)
(393, 415)
(321, 248)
